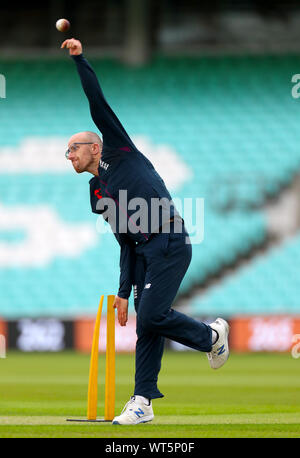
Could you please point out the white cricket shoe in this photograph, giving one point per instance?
(134, 412)
(220, 350)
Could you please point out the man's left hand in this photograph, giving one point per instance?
(74, 46)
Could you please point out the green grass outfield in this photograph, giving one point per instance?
(253, 395)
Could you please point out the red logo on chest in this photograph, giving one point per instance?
(97, 193)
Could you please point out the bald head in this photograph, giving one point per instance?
(87, 136)
(85, 151)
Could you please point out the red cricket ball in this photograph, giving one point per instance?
(63, 25)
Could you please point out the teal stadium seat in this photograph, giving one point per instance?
(268, 285)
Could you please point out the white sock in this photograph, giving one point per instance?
(146, 401)
(214, 336)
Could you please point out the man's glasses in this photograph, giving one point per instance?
(74, 147)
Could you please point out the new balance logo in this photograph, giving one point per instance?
(139, 412)
(221, 350)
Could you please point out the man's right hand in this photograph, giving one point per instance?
(74, 46)
(122, 307)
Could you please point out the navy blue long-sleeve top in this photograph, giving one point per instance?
(123, 168)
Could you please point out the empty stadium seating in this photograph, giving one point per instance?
(231, 121)
(267, 285)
